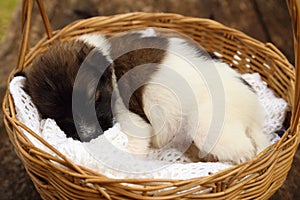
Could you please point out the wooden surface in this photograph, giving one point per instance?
(267, 21)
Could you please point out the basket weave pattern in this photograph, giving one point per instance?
(257, 179)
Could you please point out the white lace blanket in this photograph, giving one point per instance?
(113, 162)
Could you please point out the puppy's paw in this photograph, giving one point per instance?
(233, 145)
(138, 146)
(237, 156)
(244, 157)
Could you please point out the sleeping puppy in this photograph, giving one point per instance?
(160, 89)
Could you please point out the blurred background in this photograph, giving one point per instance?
(264, 20)
(6, 10)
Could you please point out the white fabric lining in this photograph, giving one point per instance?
(174, 168)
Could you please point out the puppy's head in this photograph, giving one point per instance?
(92, 96)
(50, 83)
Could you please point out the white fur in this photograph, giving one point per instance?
(97, 40)
(172, 110)
(137, 130)
(240, 138)
(148, 32)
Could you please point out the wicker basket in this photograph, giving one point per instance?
(257, 179)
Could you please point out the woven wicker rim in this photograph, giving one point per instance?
(260, 177)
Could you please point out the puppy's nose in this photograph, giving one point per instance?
(89, 132)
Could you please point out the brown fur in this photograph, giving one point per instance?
(123, 63)
(50, 82)
(54, 71)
